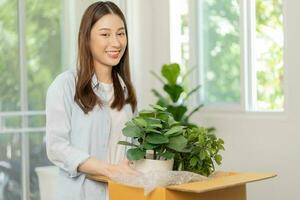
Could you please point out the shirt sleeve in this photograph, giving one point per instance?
(60, 151)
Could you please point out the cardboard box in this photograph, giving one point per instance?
(225, 186)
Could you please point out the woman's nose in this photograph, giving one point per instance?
(115, 41)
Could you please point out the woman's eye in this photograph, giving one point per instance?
(105, 34)
(121, 34)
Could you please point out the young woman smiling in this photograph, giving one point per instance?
(87, 107)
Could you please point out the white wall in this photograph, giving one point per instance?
(148, 27)
(254, 142)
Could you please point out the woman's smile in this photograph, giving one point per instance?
(113, 54)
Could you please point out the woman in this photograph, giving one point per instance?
(87, 108)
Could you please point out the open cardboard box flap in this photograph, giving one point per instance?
(220, 181)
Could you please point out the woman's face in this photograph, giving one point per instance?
(108, 40)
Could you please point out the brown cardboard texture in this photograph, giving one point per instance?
(224, 186)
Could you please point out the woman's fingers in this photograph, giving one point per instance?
(126, 162)
(123, 169)
(132, 171)
(128, 169)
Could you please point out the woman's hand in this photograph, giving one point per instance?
(94, 166)
(123, 168)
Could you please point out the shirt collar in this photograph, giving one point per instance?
(95, 82)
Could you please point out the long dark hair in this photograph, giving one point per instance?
(84, 95)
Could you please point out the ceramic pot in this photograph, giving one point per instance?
(146, 165)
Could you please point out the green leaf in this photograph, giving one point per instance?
(162, 103)
(149, 130)
(155, 126)
(202, 154)
(154, 138)
(158, 107)
(200, 163)
(171, 72)
(164, 116)
(130, 123)
(177, 111)
(186, 150)
(211, 136)
(167, 155)
(153, 122)
(140, 122)
(218, 159)
(146, 113)
(174, 91)
(177, 143)
(201, 139)
(221, 147)
(127, 143)
(132, 131)
(173, 130)
(172, 122)
(220, 141)
(135, 154)
(149, 146)
(193, 161)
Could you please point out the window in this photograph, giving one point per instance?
(219, 51)
(268, 56)
(30, 58)
(239, 45)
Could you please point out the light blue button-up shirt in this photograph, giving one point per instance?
(72, 135)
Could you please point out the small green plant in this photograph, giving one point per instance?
(203, 152)
(177, 94)
(154, 130)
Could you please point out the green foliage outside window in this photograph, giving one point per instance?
(9, 62)
(43, 52)
(220, 50)
(43, 59)
(269, 34)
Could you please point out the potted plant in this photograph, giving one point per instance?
(204, 152)
(163, 136)
(155, 139)
(203, 147)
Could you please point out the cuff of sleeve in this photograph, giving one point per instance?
(74, 163)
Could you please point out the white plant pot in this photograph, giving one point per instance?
(146, 165)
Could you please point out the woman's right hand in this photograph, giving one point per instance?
(94, 166)
(123, 168)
